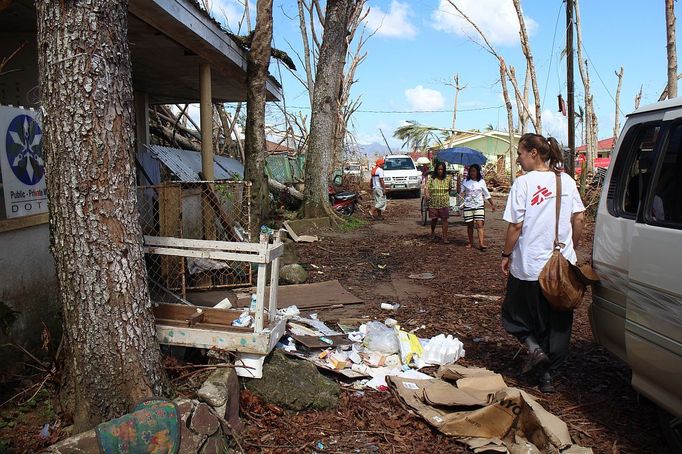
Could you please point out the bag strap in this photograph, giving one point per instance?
(557, 245)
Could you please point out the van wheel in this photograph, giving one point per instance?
(672, 430)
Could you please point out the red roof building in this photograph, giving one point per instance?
(603, 146)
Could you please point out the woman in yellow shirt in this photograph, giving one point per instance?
(437, 188)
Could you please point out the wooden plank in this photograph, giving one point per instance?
(315, 342)
(206, 254)
(274, 276)
(260, 297)
(317, 294)
(174, 241)
(7, 225)
(274, 252)
(234, 339)
(170, 221)
(180, 312)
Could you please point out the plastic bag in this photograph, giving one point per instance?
(381, 338)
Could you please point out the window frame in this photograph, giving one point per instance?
(623, 163)
(646, 216)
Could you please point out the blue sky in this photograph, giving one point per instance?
(419, 45)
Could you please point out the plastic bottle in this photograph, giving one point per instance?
(254, 302)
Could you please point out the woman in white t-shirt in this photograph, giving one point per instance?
(474, 193)
(531, 213)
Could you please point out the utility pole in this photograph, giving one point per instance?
(570, 165)
(386, 142)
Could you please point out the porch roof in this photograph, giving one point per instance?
(169, 40)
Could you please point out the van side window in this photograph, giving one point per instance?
(633, 170)
(666, 205)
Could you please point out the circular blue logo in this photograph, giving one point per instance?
(25, 149)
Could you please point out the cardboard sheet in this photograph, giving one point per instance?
(506, 420)
(304, 296)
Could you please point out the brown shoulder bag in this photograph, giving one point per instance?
(562, 283)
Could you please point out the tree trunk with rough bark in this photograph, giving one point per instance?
(671, 47)
(254, 144)
(325, 109)
(112, 357)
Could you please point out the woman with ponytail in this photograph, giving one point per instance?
(529, 242)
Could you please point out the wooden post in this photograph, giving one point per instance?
(274, 277)
(260, 289)
(141, 120)
(570, 95)
(207, 169)
(206, 114)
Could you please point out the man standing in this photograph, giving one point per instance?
(377, 183)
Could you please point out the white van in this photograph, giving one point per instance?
(636, 311)
(401, 175)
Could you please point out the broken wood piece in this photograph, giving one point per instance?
(301, 330)
(195, 318)
(478, 297)
(299, 238)
(317, 342)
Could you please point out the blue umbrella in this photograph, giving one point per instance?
(461, 155)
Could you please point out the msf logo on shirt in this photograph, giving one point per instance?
(540, 195)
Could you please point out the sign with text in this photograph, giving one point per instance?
(21, 162)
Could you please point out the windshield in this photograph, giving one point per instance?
(399, 164)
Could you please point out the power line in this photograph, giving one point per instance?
(474, 109)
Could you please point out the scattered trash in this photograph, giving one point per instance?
(390, 322)
(389, 306)
(410, 348)
(319, 446)
(244, 320)
(45, 431)
(381, 267)
(421, 276)
(288, 312)
(381, 338)
(249, 365)
(223, 304)
(254, 302)
(441, 350)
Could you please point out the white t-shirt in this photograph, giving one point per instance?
(378, 174)
(475, 193)
(532, 200)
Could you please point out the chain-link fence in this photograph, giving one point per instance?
(200, 211)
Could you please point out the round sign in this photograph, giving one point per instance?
(24, 144)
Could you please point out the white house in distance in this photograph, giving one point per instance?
(178, 54)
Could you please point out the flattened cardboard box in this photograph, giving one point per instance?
(482, 416)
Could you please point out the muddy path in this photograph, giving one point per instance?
(373, 262)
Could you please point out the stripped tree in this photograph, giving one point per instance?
(530, 65)
(325, 115)
(590, 115)
(671, 48)
(112, 357)
(616, 126)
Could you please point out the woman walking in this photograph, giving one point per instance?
(437, 189)
(529, 242)
(474, 193)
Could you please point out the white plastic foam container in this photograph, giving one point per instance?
(443, 349)
(249, 365)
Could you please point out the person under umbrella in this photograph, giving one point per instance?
(474, 193)
(437, 187)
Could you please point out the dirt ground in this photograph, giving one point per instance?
(373, 262)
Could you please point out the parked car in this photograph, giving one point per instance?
(401, 175)
(636, 311)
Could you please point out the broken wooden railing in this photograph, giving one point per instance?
(205, 327)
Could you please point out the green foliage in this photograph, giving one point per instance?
(415, 135)
(352, 224)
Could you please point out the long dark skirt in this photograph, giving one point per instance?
(526, 312)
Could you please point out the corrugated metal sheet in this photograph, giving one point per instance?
(186, 164)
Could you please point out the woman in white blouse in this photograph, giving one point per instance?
(474, 194)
